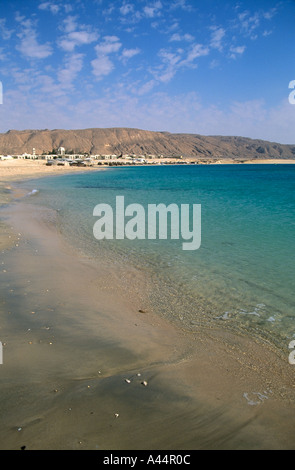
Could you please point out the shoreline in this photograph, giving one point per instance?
(72, 343)
(13, 170)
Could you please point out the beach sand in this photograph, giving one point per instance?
(17, 169)
(88, 365)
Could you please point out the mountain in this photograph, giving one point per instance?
(98, 141)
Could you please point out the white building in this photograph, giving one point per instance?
(5, 157)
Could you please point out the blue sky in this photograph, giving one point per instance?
(196, 66)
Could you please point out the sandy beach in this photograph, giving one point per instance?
(17, 169)
(88, 365)
(12, 170)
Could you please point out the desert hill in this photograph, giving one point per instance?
(99, 141)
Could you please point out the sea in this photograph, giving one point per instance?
(241, 277)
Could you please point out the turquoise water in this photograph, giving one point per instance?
(242, 276)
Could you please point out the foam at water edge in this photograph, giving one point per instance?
(34, 191)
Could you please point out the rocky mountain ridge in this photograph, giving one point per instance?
(116, 141)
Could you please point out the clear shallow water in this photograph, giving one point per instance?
(243, 274)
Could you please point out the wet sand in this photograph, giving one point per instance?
(88, 365)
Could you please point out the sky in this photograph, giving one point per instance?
(195, 66)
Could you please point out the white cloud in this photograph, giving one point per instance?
(214, 64)
(126, 9)
(2, 55)
(76, 35)
(52, 7)
(236, 50)
(109, 45)
(102, 66)
(167, 75)
(216, 38)
(169, 66)
(169, 57)
(29, 45)
(48, 86)
(180, 4)
(68, 7)
(129, 53)
(175, 37)
(145, 88)
(172, 62)
(73, 65)
(5, 33)
(129, 15)
(181, 37)
(251, 24)
(70, 24)
(77, 38)
(153, 10)
(268, 15)
(198, 50)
